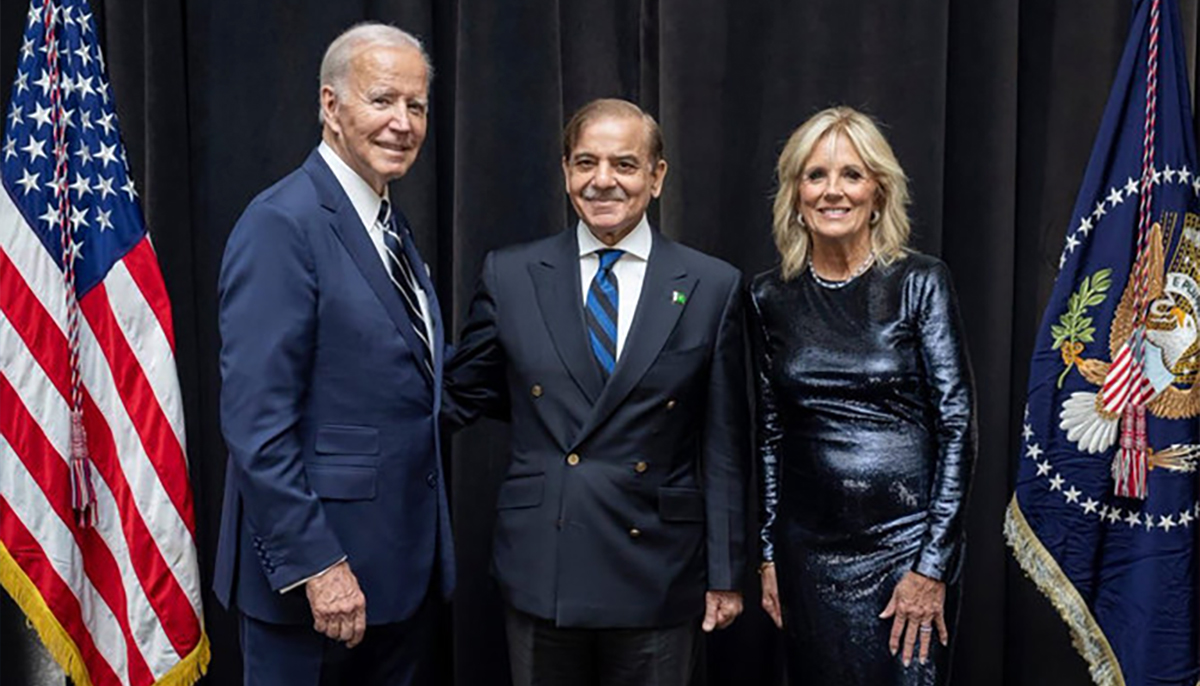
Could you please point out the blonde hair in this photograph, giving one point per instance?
(889, 237)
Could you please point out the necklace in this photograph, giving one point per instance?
(858, 271)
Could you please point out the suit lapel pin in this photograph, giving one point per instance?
(678, 297)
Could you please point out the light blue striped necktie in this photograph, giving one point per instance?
(601, 311)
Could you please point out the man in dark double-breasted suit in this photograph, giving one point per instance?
(617, 356)
(335, 543)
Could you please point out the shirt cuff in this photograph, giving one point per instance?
(305, 580)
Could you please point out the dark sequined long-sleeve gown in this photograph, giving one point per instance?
(866, 445)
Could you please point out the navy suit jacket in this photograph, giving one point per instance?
(624, 501)
(330, 419)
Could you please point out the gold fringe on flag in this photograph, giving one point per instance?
(189, 670)
(60, 644)
(1040, 566)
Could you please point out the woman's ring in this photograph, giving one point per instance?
(926, 628)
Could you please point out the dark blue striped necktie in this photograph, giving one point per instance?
(601, 311)
(401, 271)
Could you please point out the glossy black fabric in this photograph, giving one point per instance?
(866, 443)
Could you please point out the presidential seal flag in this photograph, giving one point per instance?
(96, 520)
(1103, 517)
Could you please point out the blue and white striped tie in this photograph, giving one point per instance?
(601, 311)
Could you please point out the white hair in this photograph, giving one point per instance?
(335, 66)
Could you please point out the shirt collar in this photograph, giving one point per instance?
(362, 197)
(637, 243)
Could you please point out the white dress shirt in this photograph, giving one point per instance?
(366, 205)
(630, 270)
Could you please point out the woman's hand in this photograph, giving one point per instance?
(917, 603)
(770, 593)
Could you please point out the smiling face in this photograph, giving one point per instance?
(611, 177)
(836, 192)
(378, 120)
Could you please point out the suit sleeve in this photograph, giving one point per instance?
(768, 431)
(475, 381)
(726, 447)
(268, 298)
(952, 396)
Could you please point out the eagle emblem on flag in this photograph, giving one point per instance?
(1091, 419)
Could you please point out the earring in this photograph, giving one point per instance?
(875, 217)
(800, 220)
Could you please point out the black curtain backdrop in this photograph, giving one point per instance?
(991, 106)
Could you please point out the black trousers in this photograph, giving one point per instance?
(397, 654)
(543, 654)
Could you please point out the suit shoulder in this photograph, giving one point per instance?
(278, 219)
(522, 253)
(292, 196)
(705, 264)
(293, 192)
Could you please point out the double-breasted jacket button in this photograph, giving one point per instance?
(431, 479)
(635, 532)
(536, 390)
(640, 467)
(671, 404)
(573, 459)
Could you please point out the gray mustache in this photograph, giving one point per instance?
(590, 193)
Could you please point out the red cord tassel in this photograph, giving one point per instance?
(83, 493)
(1132, 460)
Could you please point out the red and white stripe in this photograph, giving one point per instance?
(1117, 392)
(127, 591)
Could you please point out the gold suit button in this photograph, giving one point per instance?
(573, 459)
(634, 533)
(536, 391)
(640, 467)
(671, 404)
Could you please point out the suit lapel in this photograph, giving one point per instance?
(349, 229)
(658, 312)
(560, 298)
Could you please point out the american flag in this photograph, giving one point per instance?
(97, 546)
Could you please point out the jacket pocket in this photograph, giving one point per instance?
(521, 491)
(680, 504)
(346, 439)
(342, 482)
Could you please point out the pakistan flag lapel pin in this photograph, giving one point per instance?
(678, 297)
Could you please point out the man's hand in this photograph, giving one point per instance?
(720, 609)
(338, 605)
(770, 594)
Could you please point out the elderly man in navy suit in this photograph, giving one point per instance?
(617, 355)
(335, 540)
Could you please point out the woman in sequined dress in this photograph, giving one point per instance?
(865, 418)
